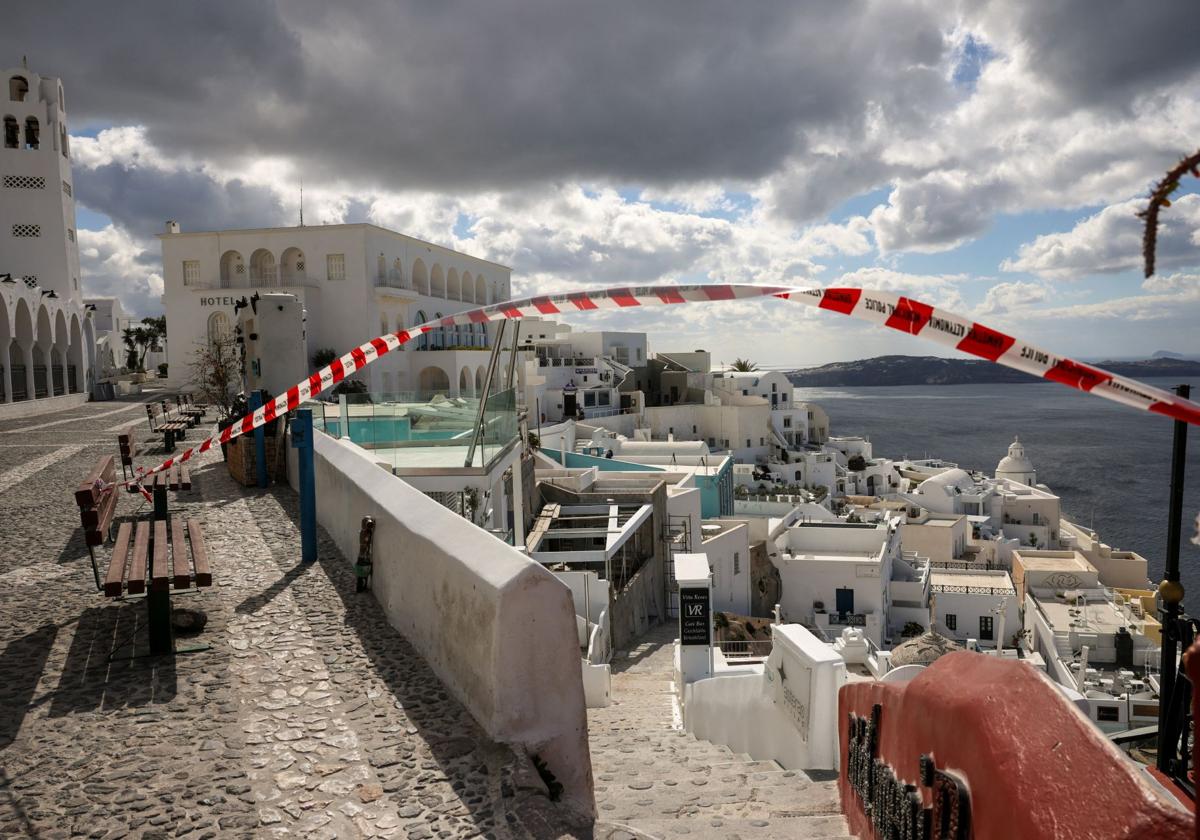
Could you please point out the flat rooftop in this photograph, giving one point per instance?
(1054, 561)
(981, 578)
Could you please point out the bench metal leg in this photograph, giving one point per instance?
(95, 569)
(158, 617)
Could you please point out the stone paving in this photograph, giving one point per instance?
(653, 780)
(309, 716)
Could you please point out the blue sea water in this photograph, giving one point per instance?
(1110, 464)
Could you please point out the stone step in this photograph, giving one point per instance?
(726, 828)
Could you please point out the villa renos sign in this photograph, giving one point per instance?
(695, 617)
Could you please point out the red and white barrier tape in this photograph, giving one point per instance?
(883, 308)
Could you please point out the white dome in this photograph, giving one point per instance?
(1015, 462)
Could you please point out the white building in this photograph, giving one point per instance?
(567, 373)
(47, 342)
(355, 282)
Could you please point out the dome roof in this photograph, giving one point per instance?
(923, 650)
(1015, 461)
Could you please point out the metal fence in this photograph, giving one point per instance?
(745, 648)
(973, 590)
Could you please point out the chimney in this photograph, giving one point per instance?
(172, 226)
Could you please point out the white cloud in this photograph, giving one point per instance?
(114, 264)
(1111, 241)
(1003, 297)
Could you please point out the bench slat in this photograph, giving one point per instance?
(199, 553)
(185, 477)
(141, 550)
(104, 469)
(160, 574)
(96, 520)
(179, 555)
(114, 580)
(174, 484)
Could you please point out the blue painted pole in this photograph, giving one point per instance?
(302, 439)
(260, 441)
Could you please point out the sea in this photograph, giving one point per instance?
(1110, 464)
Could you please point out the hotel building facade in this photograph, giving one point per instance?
(355, 281)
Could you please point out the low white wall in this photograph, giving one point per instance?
(786, 711)
(46, 405)
(597, 685)
(497, 628)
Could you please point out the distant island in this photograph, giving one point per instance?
(931, 370)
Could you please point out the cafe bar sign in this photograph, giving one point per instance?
(695, 616)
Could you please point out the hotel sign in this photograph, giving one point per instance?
(695, 617)
(223, 300)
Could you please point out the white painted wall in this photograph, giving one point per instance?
(785, 710)
(497, 628)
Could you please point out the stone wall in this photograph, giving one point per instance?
(497, 628)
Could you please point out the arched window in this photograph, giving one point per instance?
(292, 267)
(398, 272)
(381, 269)
(219, 328)
(33, 132)
(18, 86)
(437, 281)
(439, 334)
(62, 99)
(420, 278)
(63, 139)
(233, 270)
(12, 132)
(423, 338)
(263, 271)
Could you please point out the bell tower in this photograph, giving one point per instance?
(37, 201)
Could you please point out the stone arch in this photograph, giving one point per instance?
(466, 383)
(233, 270)
(12, 132)
(481, 290)
(468, 287)
(433, 380)
(89, 353)
(437, 281)
(453, 286)
(291, 267)
(42, 344)
(58, 355)
(263, 271)
(33, 133)
(398, 272)
(18, 88)
(423, 338)
(220, 328)
(439, 334)
(5, 350)
(420, 277)
(480, 372)
(76, 363)
(21, 352)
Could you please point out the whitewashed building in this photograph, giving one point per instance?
(355, 281)
(47, 345)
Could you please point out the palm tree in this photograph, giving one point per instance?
(743, 365)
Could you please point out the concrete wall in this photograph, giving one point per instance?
(786, 710)
(497, 628)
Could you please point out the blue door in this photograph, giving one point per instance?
(845, 601)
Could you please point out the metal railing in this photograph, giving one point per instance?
(848, 619)
(972, 590)
(745, 648)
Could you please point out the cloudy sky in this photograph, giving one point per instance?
(984, 157)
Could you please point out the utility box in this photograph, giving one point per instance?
(275, 345)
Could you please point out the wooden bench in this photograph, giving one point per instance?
(155, 559)
(127, 442)
(162, 423)
(157, 556)
(176, 477)
(97, 499)
(184, 407)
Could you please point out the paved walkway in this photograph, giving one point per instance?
(309, 717)
(654, 780)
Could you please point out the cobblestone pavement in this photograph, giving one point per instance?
(653, 780)
(309, 716)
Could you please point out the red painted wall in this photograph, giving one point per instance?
(1036, 768)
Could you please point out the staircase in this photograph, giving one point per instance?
(653, 780)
